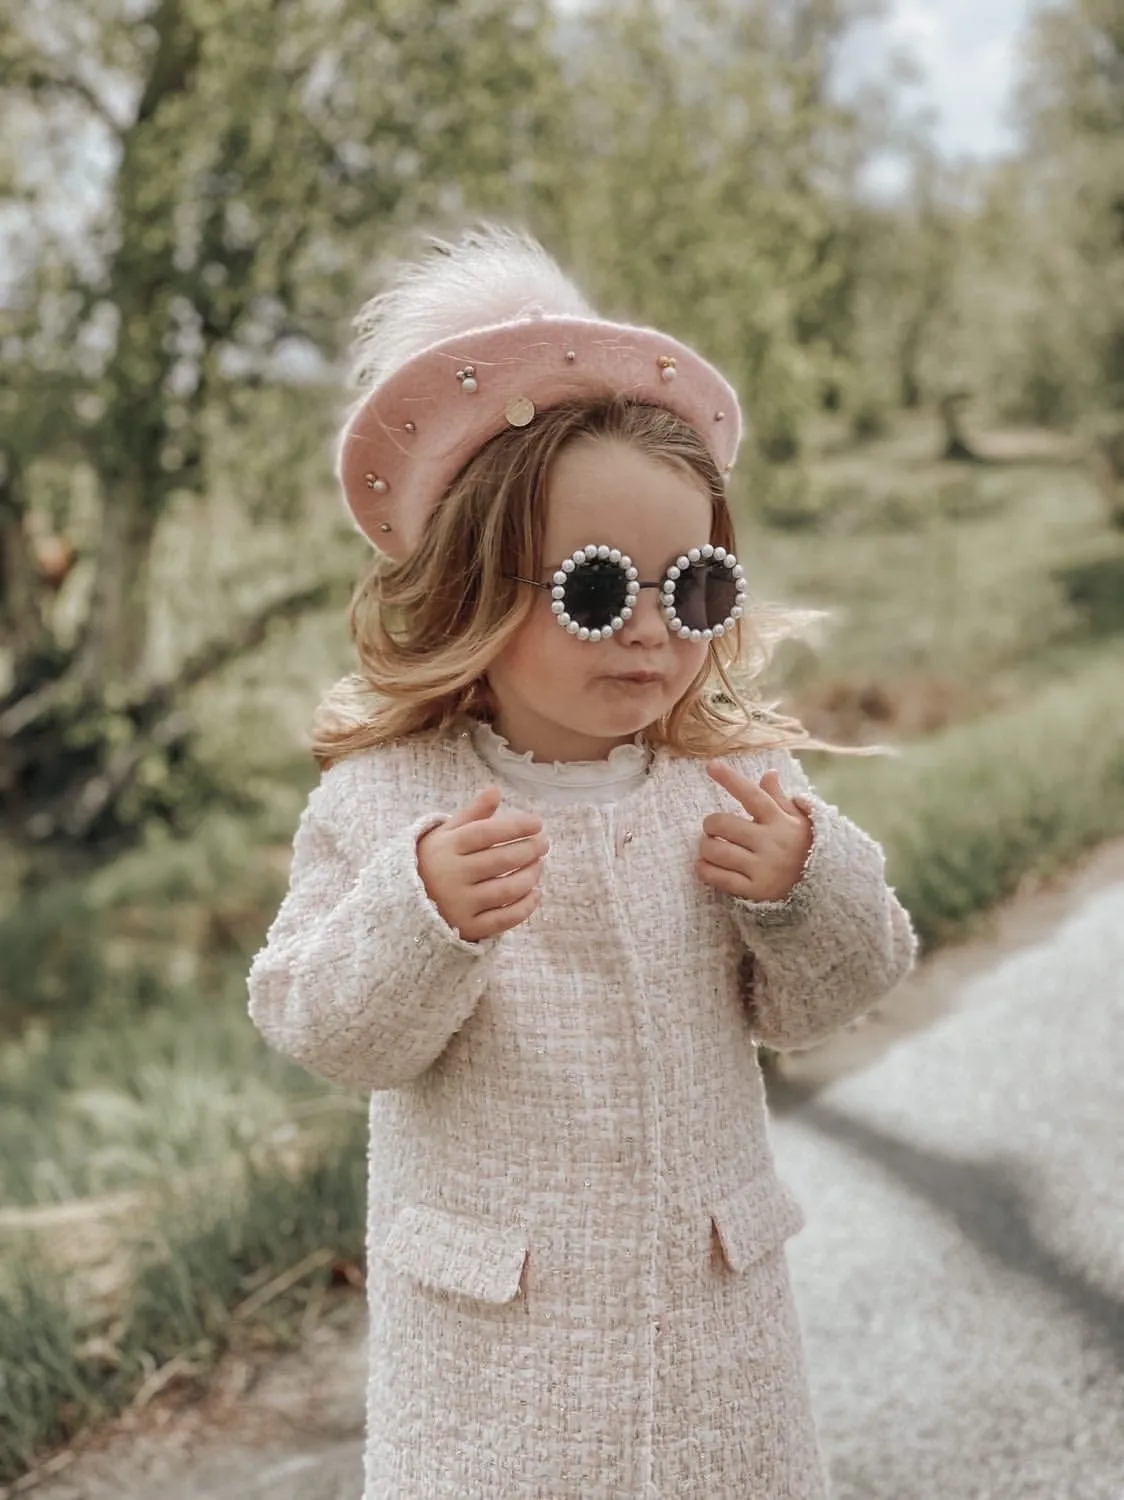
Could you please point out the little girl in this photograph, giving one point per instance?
(556, 885)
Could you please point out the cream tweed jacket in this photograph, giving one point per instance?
(577, 1280)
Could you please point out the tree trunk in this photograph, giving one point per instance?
(70, 762)
(22, 628)
(909, 353)
(1108, 463)
(115, 634)
(957, 449)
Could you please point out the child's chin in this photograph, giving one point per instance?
(631, 718)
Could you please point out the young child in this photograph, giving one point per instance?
(556, 885)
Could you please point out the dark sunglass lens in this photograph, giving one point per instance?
(721, 595)
(705, 594)
(595, 594)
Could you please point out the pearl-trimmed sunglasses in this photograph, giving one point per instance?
(594, 590)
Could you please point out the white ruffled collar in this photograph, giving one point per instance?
(622, 769)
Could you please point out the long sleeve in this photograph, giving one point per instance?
(837, 943)
(361, 980)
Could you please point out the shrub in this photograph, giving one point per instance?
(870, 418)
(790, 500)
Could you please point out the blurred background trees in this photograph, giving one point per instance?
(193, 197)
(180, 277)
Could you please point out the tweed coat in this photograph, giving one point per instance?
(577, 1280)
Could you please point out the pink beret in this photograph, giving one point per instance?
(414, 433)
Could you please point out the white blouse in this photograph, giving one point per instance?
(559, 782)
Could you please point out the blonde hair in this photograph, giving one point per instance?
(426, 629)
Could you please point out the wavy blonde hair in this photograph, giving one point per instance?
(427, 629)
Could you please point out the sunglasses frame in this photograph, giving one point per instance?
(667, 586)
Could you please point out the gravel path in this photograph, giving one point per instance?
(961, 1278)
(962, 1274)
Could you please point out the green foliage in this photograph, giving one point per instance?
(139, 1096)
(908, 260)
(46, 1389)
(209, 1251)
(712, 191)
(791, 500)
(1094, 587)
(804, 500)
(201, 1282)
(171, 365)
(870, 418)
(1044, 278)
(930, 572)
(172, 912)
(183, 340)
(51, 962)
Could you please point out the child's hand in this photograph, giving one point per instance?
(759, 857)
(481, 868)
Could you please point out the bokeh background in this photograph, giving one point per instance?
(900, 231)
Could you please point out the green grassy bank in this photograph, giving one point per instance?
(969, 815)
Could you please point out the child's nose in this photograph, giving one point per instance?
(647, 624)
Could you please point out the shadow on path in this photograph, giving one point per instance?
(985, 1199)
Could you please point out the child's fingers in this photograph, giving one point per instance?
(482, 806)
(771, 783)
(505, 889)
(731, 882)
(503, 828)
(756, 801)
(736, 828)
(504, 918)
(726, 856)
(502, 904)
(502, 859)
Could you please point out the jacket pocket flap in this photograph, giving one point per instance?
(453, 1253)
(756, 1219)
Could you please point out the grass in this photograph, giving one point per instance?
(959, 604)
(139, 1097)
(243, 1264)
(45, 1394)
(972, 814)
(976, 622)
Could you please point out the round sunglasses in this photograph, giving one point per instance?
(593, 592)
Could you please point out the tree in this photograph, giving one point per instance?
(1057, 219)
(243, 165)
(716, 170)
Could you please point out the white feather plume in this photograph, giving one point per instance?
(490, 275)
